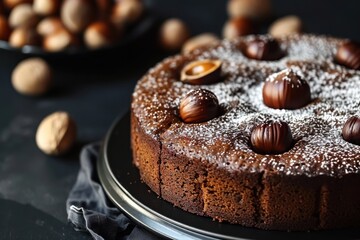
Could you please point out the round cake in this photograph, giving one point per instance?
(256, 131)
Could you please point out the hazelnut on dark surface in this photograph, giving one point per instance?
(23, 36)
(77, 14)
(286, 26)
(99, 34)
(351, 130)
(263, 49)
(4, 29)
(198, 106)
(286, 90)
(173, 34)
(238, 27)
(202, 72)
(32, 77)
(273, 137)
(348, 54)
(23, 15)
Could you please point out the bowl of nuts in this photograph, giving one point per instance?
(71, 27)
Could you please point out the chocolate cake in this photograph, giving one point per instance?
(256, 131)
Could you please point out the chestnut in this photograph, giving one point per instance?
(23, 15)
(351, 130)
(76, 15)
(198, 106)
(263, 49)
(348, 54)
(202, 72)
(237, 27)
(286, 90)
(46, 7)
(173, 34)
(273, 137)
(4, 29)
(99, 34)
(23, 36)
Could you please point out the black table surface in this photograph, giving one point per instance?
(95, 89)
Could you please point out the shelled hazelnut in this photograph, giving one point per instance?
(32, 77)
(348, 54)
(76, 15)
(286, 26)
(22, 36)
(126, 11)
(4, 29)
(198, 106)
(202, 72)
(263, 49)
(10, 4)
(173, 34)
(46, 7)
(59, 40)
(202, 40)
(99, 34)
(23, 15)
(56, 134)
(49, 26)
(238, 27)
(351, 130)
(273, 137)
(254, 9)
(286, 90)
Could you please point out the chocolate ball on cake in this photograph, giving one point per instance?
(198, 106)
(348, 54)
(263, 49)
(351, 130)
(273, 137)
(201, 72)
(286, 90)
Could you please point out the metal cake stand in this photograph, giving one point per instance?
(121, 181)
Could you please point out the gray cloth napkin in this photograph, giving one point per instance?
(89, 210)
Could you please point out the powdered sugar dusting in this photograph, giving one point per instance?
(319, 148)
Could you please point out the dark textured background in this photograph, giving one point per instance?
(95, 90)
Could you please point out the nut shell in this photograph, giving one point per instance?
(32, 77)
(49, 26)
(58, 41)
(351, 130)
(198, 106)
(126, 12)
(99, 34)
(200, 72)
(24, 36)
(286, 90)
(263, 49)
(348, 54)
(56, 134)
(46, 7)
(273, 137)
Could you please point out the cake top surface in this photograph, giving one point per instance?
(318, 148)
